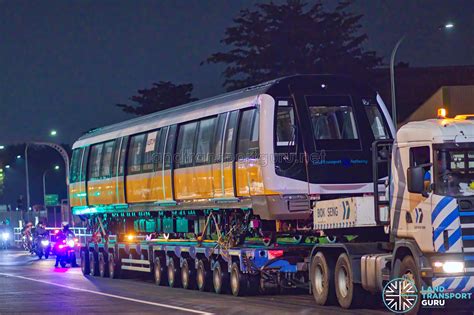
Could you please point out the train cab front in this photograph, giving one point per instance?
(328, 124)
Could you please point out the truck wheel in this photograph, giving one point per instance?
(220, 279)
(92, 264)
(103, 265)
(160, 275)
(85, 263)
(238, 283)
(188, 276)
(322, 279)
(409, 270)
(114, 269)
(173, 274)
(203, 280)
(349, 294)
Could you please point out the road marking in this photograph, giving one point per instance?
(178, 308)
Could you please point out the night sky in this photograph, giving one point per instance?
(64, 64)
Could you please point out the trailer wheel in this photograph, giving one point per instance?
(92, 264)
(103, 265)
(85, 263)
(220, 279)
(188, 276)
(322, 279)
(203, 275)
(409, 270)
(238, 283)
(173, 273)
(160, 275)
(349, 294)
(114, 269)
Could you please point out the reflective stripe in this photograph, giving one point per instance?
(446, 222)
(439, 207)
(462, 284)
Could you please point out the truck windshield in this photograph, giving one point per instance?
(455, 172)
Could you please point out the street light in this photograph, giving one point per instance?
(446, 26)
(18, 156)
(7, 166)
(53, 133)
(2, 147)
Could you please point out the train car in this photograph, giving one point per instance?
(252, 161)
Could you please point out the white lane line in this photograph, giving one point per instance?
(189, 310)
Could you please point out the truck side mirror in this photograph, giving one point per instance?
(416, 179)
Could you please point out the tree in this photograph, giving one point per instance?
(283, 39)
(161, 95)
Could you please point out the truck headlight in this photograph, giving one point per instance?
(449, 266)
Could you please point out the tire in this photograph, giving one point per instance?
(85, 263)
(203, 276)
(46, 252)
(409, 269)
(159, 273)
(40, 255)
(103, 265)
(92, 264)
(173, 274)
(238, 281)
(220, 279)
(322, 279)
(114, 269)
(63, 263)
(188, 276)
(348, 293)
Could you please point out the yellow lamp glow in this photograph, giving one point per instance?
(442, 113)
(130, 237)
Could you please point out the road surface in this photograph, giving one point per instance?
(28, 285)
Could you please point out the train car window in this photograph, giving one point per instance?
(230, 136)
(76, 162)
(333, 122)
(84, 164)
(204, 139)
(135, 154)
(123, 155)
(106, 165)
(254, 147)
(115, 158)
(185, 144)
(248, 134)
(150, 150)
(160, 149)
(94, 160)
(218, 137)
(169, 150)
(376, 120)
(285, 123)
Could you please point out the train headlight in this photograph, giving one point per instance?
(449, 266)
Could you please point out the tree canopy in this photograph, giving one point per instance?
(275, 40)
(161, 95)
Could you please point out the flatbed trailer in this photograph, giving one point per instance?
(205, 266)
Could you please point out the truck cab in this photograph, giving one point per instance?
(432, 201)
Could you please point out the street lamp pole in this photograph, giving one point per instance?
(44, 187)
(392, 80)
(446, 26)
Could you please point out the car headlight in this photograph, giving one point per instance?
(5, 236)
(45, 243)
(449, 266)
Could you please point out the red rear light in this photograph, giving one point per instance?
(272, 254)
